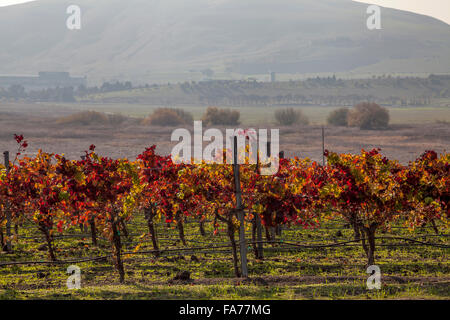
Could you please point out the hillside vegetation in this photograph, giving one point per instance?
(176, 40)
(315, 91)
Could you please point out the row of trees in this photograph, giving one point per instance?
(246, 100)
(18, 92)
(368, 190)
(411, 91)
(433, 83)
(314, 91)
(62, 94)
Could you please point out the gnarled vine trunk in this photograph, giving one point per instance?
(357, 232)
(360, 236)
(124, 227)
(149, 216)
(93, 231)
(258, 246)
(268, 235)
(180, 227)
(2, 240)
(254, 244)
(370, 235)
(435, 228)
(49, 239)
(202, 228)
(117, 250)
(231, 230)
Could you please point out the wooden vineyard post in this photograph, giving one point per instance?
(8, 212)
(240, 211)
(273, 230)
(278, 228)
(83, 227)
(259, 244)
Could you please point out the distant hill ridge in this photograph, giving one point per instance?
(163, 40)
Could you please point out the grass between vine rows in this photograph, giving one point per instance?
(409, 271)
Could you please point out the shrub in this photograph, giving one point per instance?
(368, 115)
(289, 117)
(216, 116)
(186, 116)
(92, 118)
(338, 117)
(169, 117)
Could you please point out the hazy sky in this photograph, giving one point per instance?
(436, 8)
(9, 2)
(439, 9)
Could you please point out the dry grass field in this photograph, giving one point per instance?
(412, 131)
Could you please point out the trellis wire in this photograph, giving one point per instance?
(213, 249)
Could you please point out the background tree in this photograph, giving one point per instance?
(368, 115)
(289, 117)
(338, 117)
(169, 117)
(216, 116)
